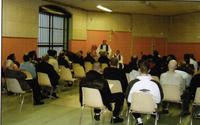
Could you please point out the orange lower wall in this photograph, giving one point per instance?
(16, 45)
(127, 44)
(179, 49)
(146, 45)
(116, 40)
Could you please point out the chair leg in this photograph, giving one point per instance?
(92, 114)
(156, 119)
(191, 121)
(82, 108)
(180, 120)
(128, 119)
(22, 102)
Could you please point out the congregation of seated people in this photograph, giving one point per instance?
(141, 72)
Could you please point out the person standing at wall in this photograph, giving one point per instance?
(104, 48)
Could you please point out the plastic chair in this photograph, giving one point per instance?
(28, 75)
(172, 94)
(156, 78)
(143, 103)
(14, 86)
(92, 99)
(128, 77)
(44, 81)
(88, 66)
(66, 75)
(79, 72)
(115, 86)
(195, 103)
(103, 66)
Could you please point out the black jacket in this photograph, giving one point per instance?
(116, 74)
(95, 80)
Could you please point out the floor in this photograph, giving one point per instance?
(66, 111)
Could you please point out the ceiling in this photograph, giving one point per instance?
(164, 8)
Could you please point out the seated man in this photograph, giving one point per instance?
(171, 78)
(28, 66)
(145, 83)
(45, 67)
(189, 93)
(113, 73)
(95, 80)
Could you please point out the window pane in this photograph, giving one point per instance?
(58, 49)
(58, 36)
(44, 35)
(42, 51)
(44, 20)
(58, 22)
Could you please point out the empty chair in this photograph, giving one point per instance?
(79, 72)
(143, 103)
(115, 86)
(196, 102)
(172, 93)
(91, 98)
(66, 75)
(88, 66)
(14, 86)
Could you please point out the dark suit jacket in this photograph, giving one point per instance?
(45, 67)
(95, 80)
(116, 74)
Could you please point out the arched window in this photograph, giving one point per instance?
(53, 29)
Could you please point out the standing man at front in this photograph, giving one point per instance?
(104, 49)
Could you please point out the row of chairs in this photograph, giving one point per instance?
(141, 102)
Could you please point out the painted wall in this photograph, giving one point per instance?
(17, 45)
(185, 28)
(20, 18)
(20, 27)
(149, 26)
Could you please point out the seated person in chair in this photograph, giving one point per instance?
(47, 68)
(95, 80)
(144, 83)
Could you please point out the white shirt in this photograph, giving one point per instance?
(186, 77)
(134, 74)
(193, 62)
(146, 83)
(104, 50)
(172, 78)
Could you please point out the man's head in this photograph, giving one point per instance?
(172, 65)
(26, 58)
(117, 52)
(114, 62)
(104, 41)
(144, 66)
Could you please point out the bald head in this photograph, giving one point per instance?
(172, 65)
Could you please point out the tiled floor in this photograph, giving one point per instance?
(66, 111)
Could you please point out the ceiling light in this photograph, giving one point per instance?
(104, 8)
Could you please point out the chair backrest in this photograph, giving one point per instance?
(142, 102)
(65, 74)
(13, 85)
(156, 78)
(115, 86)
(88, 66)
(28, 75)
(172, 93)
(197, 96)
(75, 65)
(128, 77)
(103, 66)
(92, 98)
(79, 72)
(43, 79)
